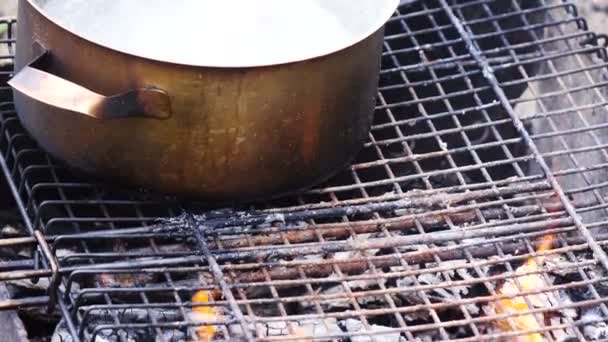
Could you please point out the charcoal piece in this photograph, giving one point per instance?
(308, 327)
(62, 334)
(461, 102)
(443, 290)
(595, 326)
(353, 326)
(10, 231)
(171, 336)
(520, 41)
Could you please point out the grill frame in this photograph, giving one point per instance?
(313, 216)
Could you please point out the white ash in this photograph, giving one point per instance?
(62, 253)
(274, 218)
(334, 304)
(171, 336)
(443, 292)
(354, 254)
(565, 300)
(348, 255)
(41, 285)
(595, 326)
(144, 315)
(558, 264)
(61, 334)
(322, 329)
(345, 303)
(305, 328)
(414, 248)
(354, 285)
(379, 333)
(310, 257)
(426, 338)
(563, 317)
(403, 212)
(25, 252)
(388, 194)
(17, 285)
(11, 231)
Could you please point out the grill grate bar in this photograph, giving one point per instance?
(488, 74)
(218, 275)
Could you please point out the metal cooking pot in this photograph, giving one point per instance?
(219, 100)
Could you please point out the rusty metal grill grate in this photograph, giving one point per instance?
(476, 211)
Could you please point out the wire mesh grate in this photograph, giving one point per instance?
(475, 211)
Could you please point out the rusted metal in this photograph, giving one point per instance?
(225, 122)
(491, 78)
(60, 93)
(326, 267)
(12, 304)
(341, 231)
(220, 279)
(54, 268)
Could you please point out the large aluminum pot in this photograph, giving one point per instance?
(219, 100)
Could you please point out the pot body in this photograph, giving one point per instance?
(234, 133)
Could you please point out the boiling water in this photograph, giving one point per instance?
(208, 32)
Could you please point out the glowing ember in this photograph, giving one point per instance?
(204, 314)
(527, 282)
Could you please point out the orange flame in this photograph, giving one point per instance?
(527, 282)
(205, 314)
(545, 245)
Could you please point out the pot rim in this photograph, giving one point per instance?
(388, 11)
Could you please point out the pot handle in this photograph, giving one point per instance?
(44, 87)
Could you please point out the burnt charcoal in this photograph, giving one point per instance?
(460, 332)
(514, 38)
(462, 105)
(494, 46)
(12, 231)
(442, 292)
(595, 324)
(306, 327)
(38, 322)
(353, 326)
(135, 315)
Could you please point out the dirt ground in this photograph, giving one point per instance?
(8, 8)
(596, 13)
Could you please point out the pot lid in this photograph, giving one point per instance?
(222, 33)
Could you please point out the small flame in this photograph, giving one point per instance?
(204, 314)
(527, 282)
(545, 245)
